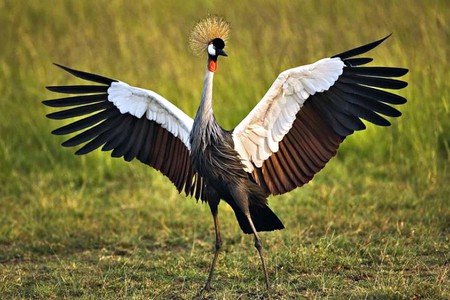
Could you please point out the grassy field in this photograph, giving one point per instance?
(374, 224)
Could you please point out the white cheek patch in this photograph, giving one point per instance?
(211, 50)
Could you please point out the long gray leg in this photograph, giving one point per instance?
(218, 244)
(213, 201)
(240, 196)
(259, 248)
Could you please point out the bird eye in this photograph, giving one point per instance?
(211, 50)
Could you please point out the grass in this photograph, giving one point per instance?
(373, 224)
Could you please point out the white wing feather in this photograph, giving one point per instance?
(259, 134)
(139, 102)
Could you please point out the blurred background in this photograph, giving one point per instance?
(53, 203)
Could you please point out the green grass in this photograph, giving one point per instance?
(373, 224)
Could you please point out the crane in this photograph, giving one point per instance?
(289, 136)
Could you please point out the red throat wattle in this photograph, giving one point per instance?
(212, 65)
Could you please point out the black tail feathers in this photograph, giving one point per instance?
(263, 218)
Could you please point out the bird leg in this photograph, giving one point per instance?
(259, 248)
(218, 244)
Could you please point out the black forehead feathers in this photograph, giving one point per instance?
(218, 43)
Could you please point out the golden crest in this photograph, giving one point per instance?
(205, 31)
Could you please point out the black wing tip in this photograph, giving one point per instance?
(361, 49)
(386, 124)
(386, 37)
(57, 132)
(52, 88)
(86, 75)
(57, 115)
(51, 116)
(65, 144)
(82, 151)
(406, 71)
(402, 71)
(378, 42)
(401, 100)
(67, 69)
(63, 67)
(47, 102)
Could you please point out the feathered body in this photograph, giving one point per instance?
(214, 158)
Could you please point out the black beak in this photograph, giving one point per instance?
(221, 52)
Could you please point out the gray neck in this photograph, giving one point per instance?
(205, 128)
(205, 111)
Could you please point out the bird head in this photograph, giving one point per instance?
(215, 48)
(209, 35)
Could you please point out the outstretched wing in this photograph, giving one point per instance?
(308, 111)
(132, 122)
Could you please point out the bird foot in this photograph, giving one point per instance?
(207, 288)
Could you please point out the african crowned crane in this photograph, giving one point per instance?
(288, 137)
